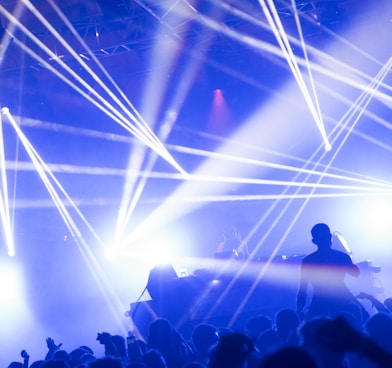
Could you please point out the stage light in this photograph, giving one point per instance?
(159, 253)
(339, 241)
(111, 252)
(9, 284)
(378, 217)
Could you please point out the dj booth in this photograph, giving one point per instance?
(228, 294)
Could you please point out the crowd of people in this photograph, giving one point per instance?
(329, 329)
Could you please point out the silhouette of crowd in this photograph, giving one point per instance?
(331, 331)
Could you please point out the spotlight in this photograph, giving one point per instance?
(327, 147)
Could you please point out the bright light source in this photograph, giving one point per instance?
(160, 253)
(339, 241)
(9, 288)
(378, 216)
(327, 147)
(111, 252)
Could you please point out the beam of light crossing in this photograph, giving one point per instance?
(151, 142)
(300, 160)
(309, 69)
(188, 150)
(308, 197)
(264, 46)
(88, 97)
(260, 23)
(40, 203)
(140, 122)
(254, 162)
(4, 202)
(99, 276)
(166, 127)
(77, 57)
(346, 118)
(342, 126)
(112, 114)
(273, 18)
(163, 58)
(45, 174)
(147, 174)
(328, 58)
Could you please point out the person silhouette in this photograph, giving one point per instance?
(232, 245)
(324, 271)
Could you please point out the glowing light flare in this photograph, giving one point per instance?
(9, 286)
(378, 216)
(159, 253)
(151, 251)
(111, 252)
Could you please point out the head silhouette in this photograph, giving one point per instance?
(321, 235)
(230, 232)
